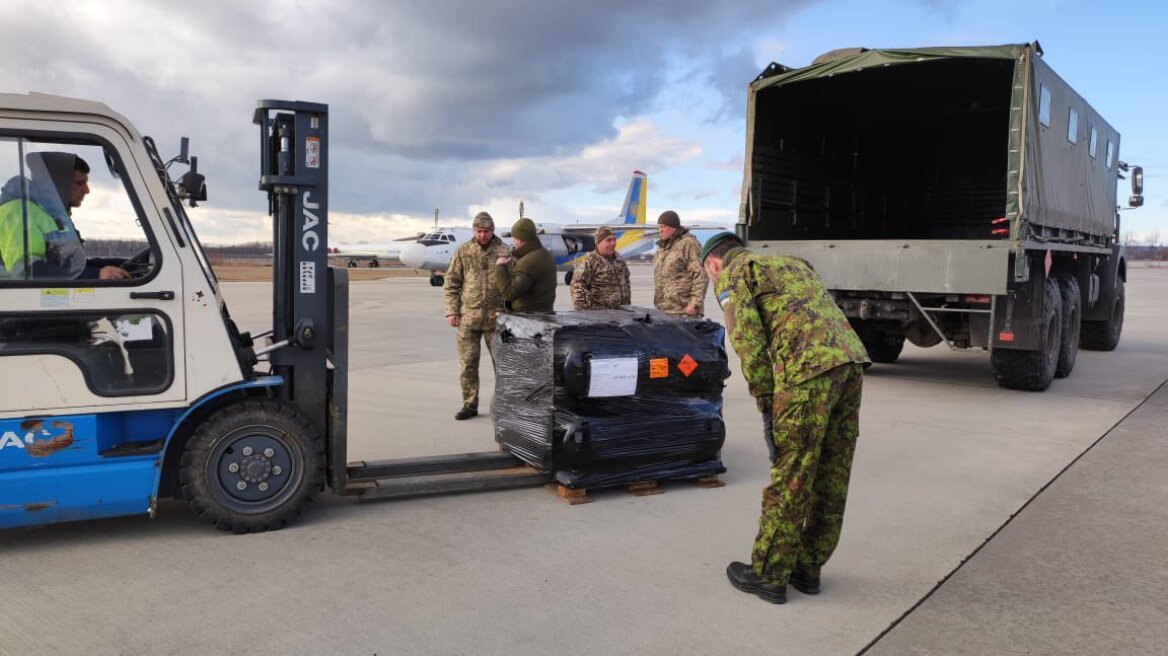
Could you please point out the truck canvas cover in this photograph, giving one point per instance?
(962, 136)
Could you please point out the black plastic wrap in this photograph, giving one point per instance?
(667, 423)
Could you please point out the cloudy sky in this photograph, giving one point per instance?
(476, 105)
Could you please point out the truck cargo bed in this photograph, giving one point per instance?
(904, 152)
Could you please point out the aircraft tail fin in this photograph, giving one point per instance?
(633, 242)
(633, 211)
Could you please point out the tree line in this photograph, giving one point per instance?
(256, 250)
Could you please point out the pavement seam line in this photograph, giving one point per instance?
(1006, 523)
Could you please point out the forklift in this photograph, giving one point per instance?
(119, 392)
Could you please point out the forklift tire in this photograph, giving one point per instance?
(1034, 370)
(251, 466)
(568, 277)
(1072, 325)
(1104, 335)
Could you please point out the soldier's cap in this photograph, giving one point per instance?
(712, 242)
(669, 218)
(483, 221)
(524, 230)
(602, 233)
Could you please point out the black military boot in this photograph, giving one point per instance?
(466, 413)
(805, 582)
(742, 576)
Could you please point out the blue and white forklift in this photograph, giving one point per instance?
(124, 379)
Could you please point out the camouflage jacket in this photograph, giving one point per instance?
(601, 282)
(470, 285)
(678, 278)
(782, 322)
(528, 284)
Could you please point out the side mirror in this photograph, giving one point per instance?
(1137, 182)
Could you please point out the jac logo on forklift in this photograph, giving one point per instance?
(310, 239)
(37, 440)
(311, 242)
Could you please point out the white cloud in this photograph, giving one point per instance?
(604, 166)
(422, 94)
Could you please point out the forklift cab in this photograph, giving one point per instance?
(96, 370)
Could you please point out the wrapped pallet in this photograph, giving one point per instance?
(607, 397)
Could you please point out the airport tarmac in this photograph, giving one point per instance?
(946, 459)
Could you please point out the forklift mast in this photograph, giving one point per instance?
(294, 172)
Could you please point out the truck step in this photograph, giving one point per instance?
(445, 483)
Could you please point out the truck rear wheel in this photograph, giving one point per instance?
(885, 347)
(1104, 335)
(251, 466)
(883, 344)
(1072, 323)
(1034, 370)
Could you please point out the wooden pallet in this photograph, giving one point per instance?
(578, 496)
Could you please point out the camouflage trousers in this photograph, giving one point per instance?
(815, 427)
(470, 348)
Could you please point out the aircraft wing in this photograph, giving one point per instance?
(346, 252)
(648, 229)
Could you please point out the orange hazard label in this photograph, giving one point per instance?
(687, 365)
(659, 368)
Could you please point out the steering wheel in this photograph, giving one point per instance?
(139, 264)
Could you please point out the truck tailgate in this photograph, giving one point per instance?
(940, 266)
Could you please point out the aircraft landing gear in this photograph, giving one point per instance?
(352, 264)
(436, 280)
(568, 277)
(373, 264)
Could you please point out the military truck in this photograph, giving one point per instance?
(958, 195)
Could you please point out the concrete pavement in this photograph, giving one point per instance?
(1081, 569)
(945, 458)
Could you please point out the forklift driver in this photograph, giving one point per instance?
(59, 182)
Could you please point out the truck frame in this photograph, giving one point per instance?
(956, 195)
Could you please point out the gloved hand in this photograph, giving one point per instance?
(768, 435)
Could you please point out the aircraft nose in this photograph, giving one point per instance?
(413, 256)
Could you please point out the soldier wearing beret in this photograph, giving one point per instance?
(804, 366)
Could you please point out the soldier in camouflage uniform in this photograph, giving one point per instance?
(602, 281)
(527, 281)
(804, 366)
(472, 305)
(679, 285)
